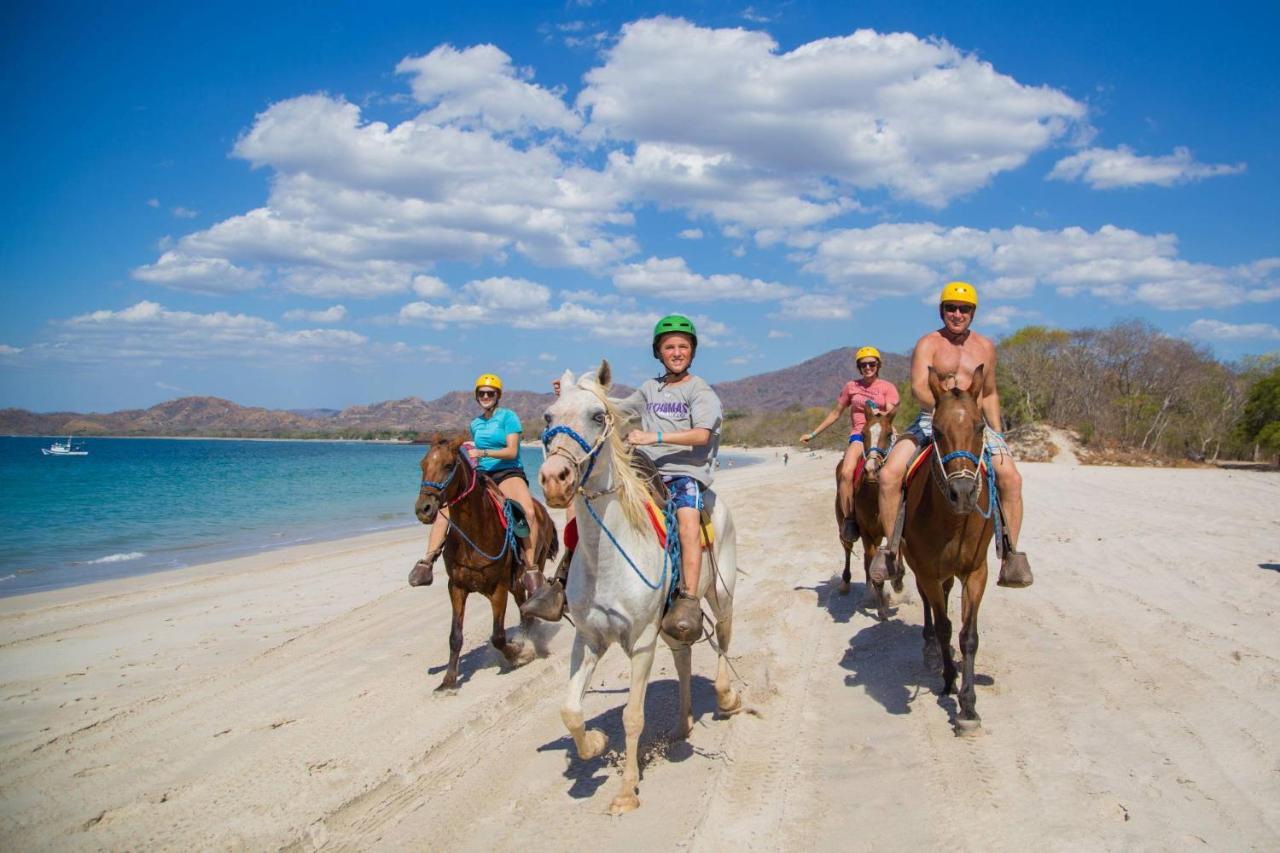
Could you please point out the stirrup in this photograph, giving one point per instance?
(1015, 571)
(679, 623)
(547, 603)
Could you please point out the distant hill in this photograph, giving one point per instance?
(815, 382)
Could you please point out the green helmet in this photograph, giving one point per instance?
(674, 323)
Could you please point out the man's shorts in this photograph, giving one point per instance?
(921, 432)
(684, 491)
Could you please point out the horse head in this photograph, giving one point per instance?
(578, 424)
(878, 437)
(440, 467)
(958, 439)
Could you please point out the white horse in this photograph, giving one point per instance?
(617, 587)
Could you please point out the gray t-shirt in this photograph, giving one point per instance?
(675, 408)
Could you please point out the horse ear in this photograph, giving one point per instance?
(567, 379)
(604, 375)
(935, 386)
(975, 387)
(457, 442)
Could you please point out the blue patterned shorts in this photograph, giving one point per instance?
(684, 491)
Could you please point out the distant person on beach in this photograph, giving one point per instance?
(495, 450)
(955, 351)
(680, 419)
(785, 457)
(868, 391)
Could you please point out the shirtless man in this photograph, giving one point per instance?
(954, 351)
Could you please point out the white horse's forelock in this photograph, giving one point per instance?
(632, 491)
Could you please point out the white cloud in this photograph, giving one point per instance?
(814, 306)
(200, 274)
(1107, 169)
(153, 202)
(778, 333)
(690, 234)
(1004, 316)
(5, 349)
(367, 281)
(1113, 263)
(185, 213)
(147, 331)
(546, 356)
(671, 278)
(478, 86)
(1216, 330)
(719, 116)
(429, 287)
(332, 314)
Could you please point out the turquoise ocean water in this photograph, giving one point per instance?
(134, 506)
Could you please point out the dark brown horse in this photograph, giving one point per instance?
(878, 437)
(950, 521)
(479, 556)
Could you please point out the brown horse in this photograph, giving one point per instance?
(951, 514)
(479, 556)
(878, 437)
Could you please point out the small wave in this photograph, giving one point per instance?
(7, 578)
(116, 558)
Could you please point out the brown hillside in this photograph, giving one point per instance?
(815, 382)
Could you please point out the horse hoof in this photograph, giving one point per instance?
(844, 586)
(729, 704)
(968, 728)
(624, 803)
(593, 744)
(446, 689)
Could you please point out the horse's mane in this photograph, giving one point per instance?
(632, 491)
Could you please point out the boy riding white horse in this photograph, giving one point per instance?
(680, 420)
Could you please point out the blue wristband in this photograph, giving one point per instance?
(659, 436)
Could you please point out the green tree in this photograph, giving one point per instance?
(1260, 421)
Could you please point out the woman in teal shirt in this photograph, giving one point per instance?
(495, 450)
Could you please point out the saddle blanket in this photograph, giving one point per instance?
(657, 519)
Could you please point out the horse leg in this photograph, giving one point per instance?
(633, 724)
(683, 655)
(932, 655)
(515, 653)
(582, 665)
(846, 577)
(942, 628)
(728, 702)
(458, 600)
(975, 584)
(875, 587)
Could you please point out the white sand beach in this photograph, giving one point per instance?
(1130, 698)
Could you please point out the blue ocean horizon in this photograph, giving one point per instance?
(141, 505)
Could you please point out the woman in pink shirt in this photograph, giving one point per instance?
(855, 396)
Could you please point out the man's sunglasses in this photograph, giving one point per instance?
(486, 393)
(863, 365)
(951, 308)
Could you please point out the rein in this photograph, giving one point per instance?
(592, 452)
(993, 502)
(508, 521)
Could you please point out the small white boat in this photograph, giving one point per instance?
(59, 448)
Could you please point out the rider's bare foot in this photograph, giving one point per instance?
(883, 566)
(1015, 571)
(683, 621)
(422, 572)
(547, 603)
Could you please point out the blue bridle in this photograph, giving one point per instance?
(993, 502)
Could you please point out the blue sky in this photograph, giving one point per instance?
(294, 206)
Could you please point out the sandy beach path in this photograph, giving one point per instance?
(1130, 698)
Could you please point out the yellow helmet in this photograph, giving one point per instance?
(959, 291)
(488, 380)
(867, 352)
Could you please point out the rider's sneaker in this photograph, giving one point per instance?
(683, 621)
(883, 566)
(547, 603)
(849, 532)
(1015, 571)
(422, 573)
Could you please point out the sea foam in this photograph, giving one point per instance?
(116, 558)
